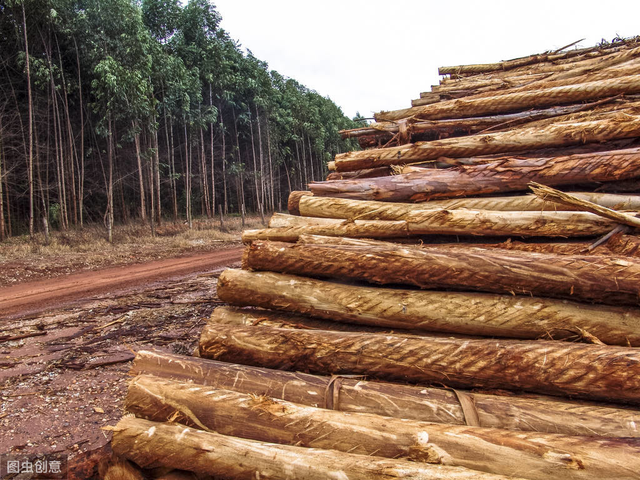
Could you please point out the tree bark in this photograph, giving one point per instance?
(607, 280)
(451, 312)
(534, 456)
(152, 444)
(518, 101)
(30, 106)
(143, 207)
(307, 205)
(507, 175)
(607, 126)
(598, 372)
(352, 394)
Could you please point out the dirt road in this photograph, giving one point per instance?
(33, 297)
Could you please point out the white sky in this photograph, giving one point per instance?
(378, 55)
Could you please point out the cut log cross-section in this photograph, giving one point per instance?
(598, 372)
(397, 400)
(488, 450)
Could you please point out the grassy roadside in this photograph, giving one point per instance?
(87, 249)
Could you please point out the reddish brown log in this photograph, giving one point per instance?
(506, 175)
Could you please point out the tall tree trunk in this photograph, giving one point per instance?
(261, 154)
(213, 173)
(187, 159)
(136, 140)
(2, 225)
(224, 163)
(156, 162)
(30, 100)
(204, 177)
(256, 182)
(271, 183)
(82, 162)
(235, 123)
(168, 127)
(109, 214)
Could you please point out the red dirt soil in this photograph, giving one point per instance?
(33, 297)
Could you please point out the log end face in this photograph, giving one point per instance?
(293, 204)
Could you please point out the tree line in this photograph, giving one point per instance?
(117, 109)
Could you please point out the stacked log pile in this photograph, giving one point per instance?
(466, 306)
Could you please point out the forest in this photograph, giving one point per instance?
(121, 110)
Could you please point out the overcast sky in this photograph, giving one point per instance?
(378, 55)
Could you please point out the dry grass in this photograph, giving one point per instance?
(87, 248)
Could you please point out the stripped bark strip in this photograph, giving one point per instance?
(329, 207)
(510, 102)
(607, 126)
(507, 175)
(465, 313)
(563, 199)
(607, 280)
(397, 400)
(595, 372)
(153, 445)
(488, 450)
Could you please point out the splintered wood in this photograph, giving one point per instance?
(436, 309)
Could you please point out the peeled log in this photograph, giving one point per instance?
(398, 400)
(600, 279)
(531, 455)
(506, 175)
(329, 207)
(466, 313)
(439, 222)
(607, 126)
(279, 319)
(598, 372)
(510, 102)
(153, 444)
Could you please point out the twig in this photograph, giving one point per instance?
(8, 338)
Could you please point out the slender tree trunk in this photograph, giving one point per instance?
(261, 154)
(235, 123)
(6, 190)
(109, 215)
(187, 160)
(2, 225)
(213, 173)
(152, 215)
(82, 162)
(156, 158)
(30, 100)
(271, 189)
(204, 177)
(136, 140)
(256, 182)
(224, 163)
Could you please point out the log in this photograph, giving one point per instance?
(463, 126)
(518, 101)
(530, 455)
(604, 127)
(507, 175)
(329, 207)
(153, 444)
(563, 199)
(439, 222)
(279, 319)
(597, 372)
(420, 311)
(618, 245)
(576, 55)
(542, 414)
(600, 279)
